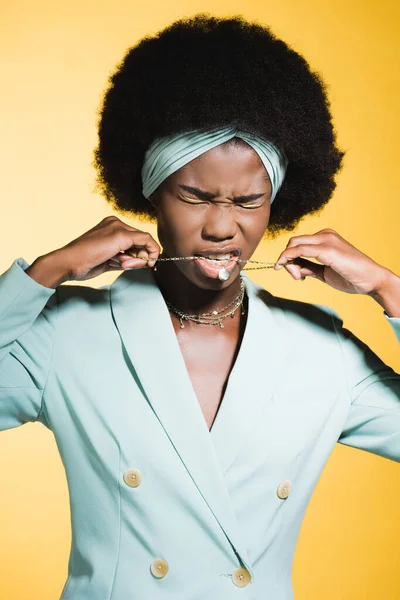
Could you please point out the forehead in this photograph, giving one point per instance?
(234, 166)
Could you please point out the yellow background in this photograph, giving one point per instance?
(55, 58)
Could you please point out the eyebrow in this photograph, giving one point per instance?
(203, 195)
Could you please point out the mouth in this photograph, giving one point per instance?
(219, 254)
(210, 263)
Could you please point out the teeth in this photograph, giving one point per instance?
(218, 257)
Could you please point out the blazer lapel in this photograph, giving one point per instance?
(253, 379)
(147, 333)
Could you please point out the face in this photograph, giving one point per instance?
(218, 205)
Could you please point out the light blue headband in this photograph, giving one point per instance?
(167, 155)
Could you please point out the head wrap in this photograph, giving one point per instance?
(166, 155)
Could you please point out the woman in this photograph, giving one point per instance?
(191, 434)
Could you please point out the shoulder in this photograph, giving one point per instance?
(298, 314)
(82, 298)
(308, 311)
(69, 293)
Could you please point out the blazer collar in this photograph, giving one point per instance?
(146, 330)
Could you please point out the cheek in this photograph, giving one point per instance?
(178, 228)
(254, 225)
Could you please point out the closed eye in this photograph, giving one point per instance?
(192, 200)
(248, 204)
(204, 196)
(252, 203)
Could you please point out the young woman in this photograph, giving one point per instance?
(190, 427)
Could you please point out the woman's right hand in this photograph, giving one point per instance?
(103, 248)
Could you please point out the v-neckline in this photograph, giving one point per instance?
(242, 333)
(153, 354)
(264, 314)
(235, 362)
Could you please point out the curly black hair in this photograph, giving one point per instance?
(204, 72)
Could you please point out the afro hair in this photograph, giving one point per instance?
(205, 72)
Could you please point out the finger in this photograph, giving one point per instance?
(294, 271)
(301, 268)
(141, 260)
(145, 240)
(309, 268)
(132, 252)
(146, 256)
(120, 260)
(133, 255)
(114, 264)
(321, 252)
(316, 238)
(300, 273)
(143, 254)
(153, 254)
(134, 263)
(148, 250)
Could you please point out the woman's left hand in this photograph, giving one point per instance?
(343, 266)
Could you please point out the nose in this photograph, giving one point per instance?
(220, 223)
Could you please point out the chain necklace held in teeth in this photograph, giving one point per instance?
(214, 317)
(224, 274)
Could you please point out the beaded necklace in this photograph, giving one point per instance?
(214, 317)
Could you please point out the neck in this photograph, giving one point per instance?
(186, 296)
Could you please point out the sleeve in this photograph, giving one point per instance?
(373, 421)
(27, 311)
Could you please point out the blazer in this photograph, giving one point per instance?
(161, 507)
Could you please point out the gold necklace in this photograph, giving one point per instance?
(214, 317)
(223, 274)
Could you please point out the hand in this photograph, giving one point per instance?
(343, 266)
(103, 248)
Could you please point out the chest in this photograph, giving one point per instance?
(136, 388)
(209, 353)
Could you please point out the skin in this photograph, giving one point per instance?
(186, 226)
(188, 223)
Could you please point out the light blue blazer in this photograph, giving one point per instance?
(161, 508)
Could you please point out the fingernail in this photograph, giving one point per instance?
(278, 266)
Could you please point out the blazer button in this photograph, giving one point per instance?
(159, 568)
(133, 477)
(241, 577)
(284, 489)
